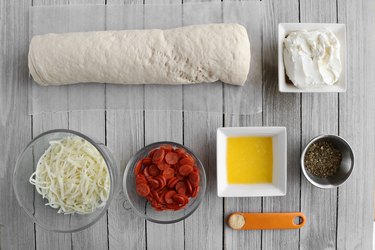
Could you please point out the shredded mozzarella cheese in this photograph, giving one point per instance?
(72, 175)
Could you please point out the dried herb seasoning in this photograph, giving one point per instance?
(322, 159)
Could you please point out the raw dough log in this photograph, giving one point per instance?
(191, 54)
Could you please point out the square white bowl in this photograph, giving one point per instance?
(279, 175)
(338, 29)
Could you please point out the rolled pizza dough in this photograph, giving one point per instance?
(186, 55)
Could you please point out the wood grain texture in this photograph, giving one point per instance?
(356, 125)
(163, 125)
(351, 115)
(15, 127)
(319, 205)
(242, 239)
(245, 239)
(41, 123)
(125, 136)
(204, 228)
(281, 110)
(94, 237)
(90, 123)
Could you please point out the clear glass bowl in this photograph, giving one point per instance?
(33, 203)
(142, 207)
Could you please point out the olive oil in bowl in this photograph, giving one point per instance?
(249, 160)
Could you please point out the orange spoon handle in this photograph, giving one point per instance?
(257, 221)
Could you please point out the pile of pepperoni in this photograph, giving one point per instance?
(167, 178)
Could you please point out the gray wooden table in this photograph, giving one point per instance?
(339, 218)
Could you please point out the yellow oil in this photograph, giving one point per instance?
(249, 160)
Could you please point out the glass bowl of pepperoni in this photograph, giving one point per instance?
(164, 182)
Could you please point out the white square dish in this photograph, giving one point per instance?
(279, 175)
(338, 29)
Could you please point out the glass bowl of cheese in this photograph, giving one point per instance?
(65, 180)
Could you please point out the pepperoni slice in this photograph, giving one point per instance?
(180, 177)
(163, 165)
(152, 183)
(151, 153)
(180, 151)
(185, 161)
(195, 192)
(155, 204)
(180, 184)
(158, 156)
(162, 191)
(145, 172)
(147, 161)
(167, 148)
(162, 195)
(172, 158)
(179, 199)
(181, 187)
(140, 179)
(182, 198)
(149, 198)
(194, 179)
(154, 170)
(187, 155)
(189, 187)
(196, 169)
(156, 196)
(143, 190)
(138, 168)
(169, 197)
(168, 173)
(186, 199)
(162, 181)
(172, 182)
(185, 170)
(181, 190)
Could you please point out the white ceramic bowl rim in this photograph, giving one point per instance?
(340, 30)
(279, 185)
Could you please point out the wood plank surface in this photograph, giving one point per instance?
(356, 125)
(204, 228)
(163, 125)
(125, 136)
(234, 239)
(337, 218)
(281, 109)
(90, 123)
(41, 123)
(319, 205)
(17, 230)
(95, 237)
